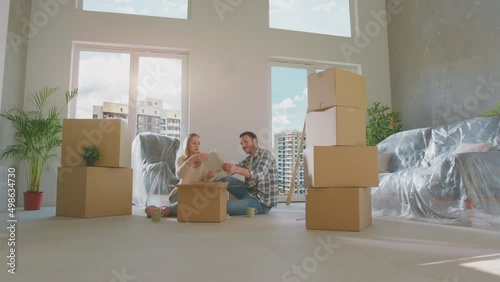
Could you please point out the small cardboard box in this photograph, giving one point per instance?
(341, 166)
(108, 134)
(336, 87)
(86, 191)
(336, 126)
(202, 202)
(338, 209)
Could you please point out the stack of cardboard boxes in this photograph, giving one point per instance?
(104, 189)
(338, 166)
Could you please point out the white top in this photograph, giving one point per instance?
(188, 175)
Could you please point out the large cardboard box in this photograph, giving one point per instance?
(202, 202)
(338, 209)
(86, 191)
(336, 126)
(341, 166)
(108, 134)
(336, 87)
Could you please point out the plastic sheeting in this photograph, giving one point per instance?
(428, 180)
(153, 162)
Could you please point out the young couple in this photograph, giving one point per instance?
(259, 190)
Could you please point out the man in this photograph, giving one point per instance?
(260, 189)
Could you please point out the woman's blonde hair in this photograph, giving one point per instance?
(186, 147)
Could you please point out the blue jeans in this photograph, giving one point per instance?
(173, 205)
(234, 207)
(244, 200)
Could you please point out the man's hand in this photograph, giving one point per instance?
(230, 168)
(209, 174)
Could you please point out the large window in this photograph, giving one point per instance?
(156, 8)
(332, 17)
(289, 107)
(144, 89)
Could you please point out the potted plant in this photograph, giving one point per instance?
(91, 154)
(382, 122)
(37, 134)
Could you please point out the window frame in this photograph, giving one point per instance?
(311, 66)
(353, 16)
(136, 52)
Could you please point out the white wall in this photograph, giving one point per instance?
(4, 21)
(229, 72)
(13, 56)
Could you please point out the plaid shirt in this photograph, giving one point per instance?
(263, 184)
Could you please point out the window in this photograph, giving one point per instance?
(289, 107)
(142, 87)
(331, 17)
(156, 8)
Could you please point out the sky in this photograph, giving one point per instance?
(289, 98)
(104, 76)
(158, 8)
(316, 16)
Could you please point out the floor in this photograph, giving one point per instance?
(273, 247)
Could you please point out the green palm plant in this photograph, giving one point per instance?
(492, 111)
(37, 134)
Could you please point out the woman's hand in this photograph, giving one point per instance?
(209, 174)
(201, 157)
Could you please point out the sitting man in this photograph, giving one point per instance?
(260, 188)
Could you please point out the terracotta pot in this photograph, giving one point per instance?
(32, 200)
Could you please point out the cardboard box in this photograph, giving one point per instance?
(341, 166)
(336, 126)
(108, 134)
(338, 209)
(336, 87)
(202, 202)
(86, 191)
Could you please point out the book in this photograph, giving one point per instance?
(214, 163)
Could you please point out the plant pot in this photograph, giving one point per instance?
(32, 200)
(90, 162)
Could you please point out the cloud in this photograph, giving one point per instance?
(183, 7)
(145, 12)
(302, 97)
(280, 121)
(277, 6)
(285, 104)
(325, 7)
(126, 10)
(119, 1)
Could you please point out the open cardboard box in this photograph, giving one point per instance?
(202, 202)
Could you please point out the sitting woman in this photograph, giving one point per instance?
(189, 169)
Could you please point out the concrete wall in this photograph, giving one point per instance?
(12, 82)
(229, 78)
(444, 60)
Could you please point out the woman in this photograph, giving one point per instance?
(189, 169)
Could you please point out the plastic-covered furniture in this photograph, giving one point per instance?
(448, 174)
(153, 162)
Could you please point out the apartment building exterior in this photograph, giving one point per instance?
(151, 117)
(286, 146)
